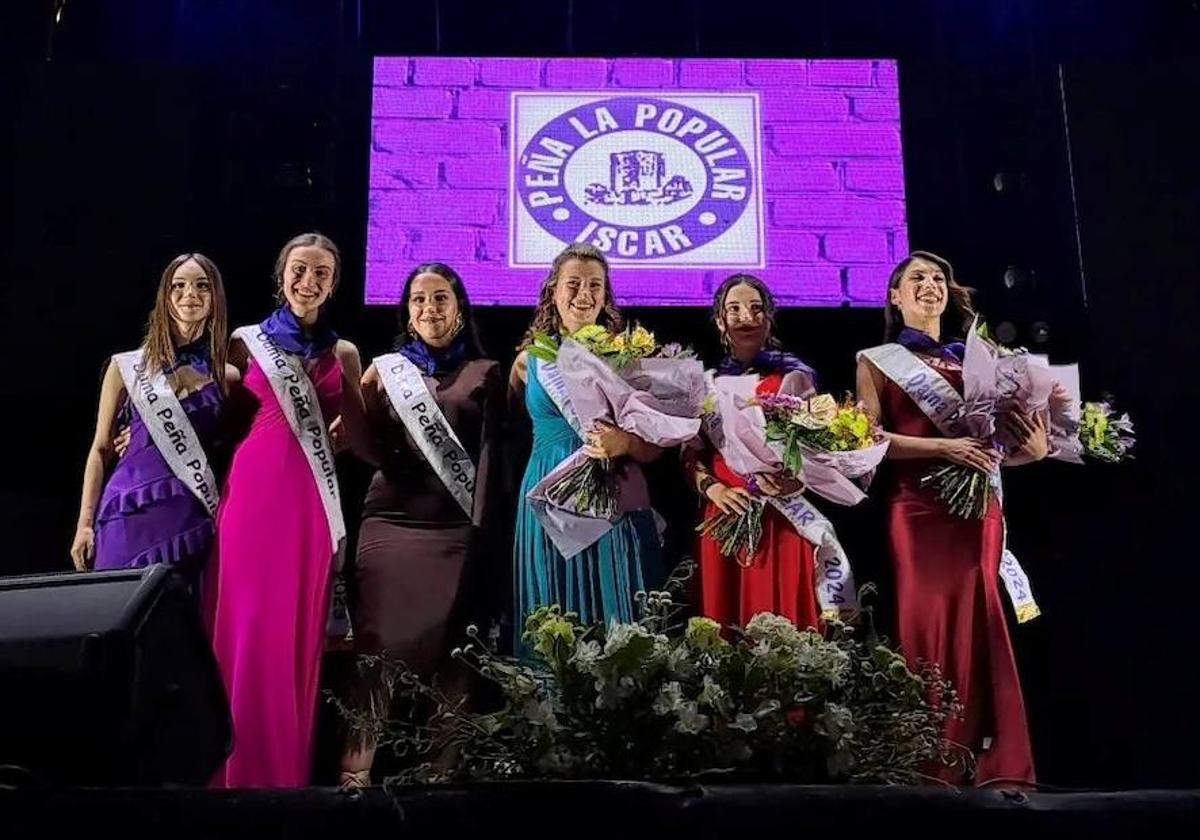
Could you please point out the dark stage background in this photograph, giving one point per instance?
(1055, 139)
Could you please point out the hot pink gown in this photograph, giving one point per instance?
(268, 591)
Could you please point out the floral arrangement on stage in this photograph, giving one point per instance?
(626, 379)
(661, 699)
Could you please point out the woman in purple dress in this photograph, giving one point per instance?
(157, 505)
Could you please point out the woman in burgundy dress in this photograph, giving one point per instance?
(947, 568)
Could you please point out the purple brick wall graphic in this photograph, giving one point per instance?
(683, 171)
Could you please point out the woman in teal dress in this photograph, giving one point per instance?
(600, 582)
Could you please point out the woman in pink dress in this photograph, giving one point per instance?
(270, 578)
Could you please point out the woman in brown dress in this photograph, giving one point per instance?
(434, 407)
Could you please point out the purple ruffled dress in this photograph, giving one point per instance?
(146, 515)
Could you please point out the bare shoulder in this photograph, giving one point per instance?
(347, 355)
(346, 350)
(867, 369)
(520, 369)
(113, 383)
(371, 374)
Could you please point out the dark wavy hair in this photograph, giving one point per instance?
(469, 333)
(545, 316)
(759, 286)
(960, 296)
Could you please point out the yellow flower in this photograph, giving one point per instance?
(590, 333)
(617, 343)
(704, 633)
(861, 426)
(553, 629)
(642, 340)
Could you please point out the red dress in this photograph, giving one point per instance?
(949, 603)
(781, 577)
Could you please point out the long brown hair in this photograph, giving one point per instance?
(768, 302)
(304, 240)
(960, 296)
(545, 316)
(158, 344)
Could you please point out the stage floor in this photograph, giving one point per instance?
(613, 809)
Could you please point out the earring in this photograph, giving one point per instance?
(412, 331)
(458, 325)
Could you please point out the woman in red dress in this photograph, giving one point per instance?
(780, 577)
(947, 568)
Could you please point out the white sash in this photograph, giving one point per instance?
(943, 405)
(936, 397)
(418, 410)
(298, 399)
(836, 592)
(552, 382)
(169, 427)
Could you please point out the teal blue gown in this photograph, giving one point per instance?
(600, 582)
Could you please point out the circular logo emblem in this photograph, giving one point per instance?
(639, 177)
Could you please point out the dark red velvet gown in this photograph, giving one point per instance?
(949, 602)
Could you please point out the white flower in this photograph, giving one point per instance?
(621, 634)
(712, 695)
(691, 721)
(540, 713)
(669, 699)
(835, 722)
(585, 656)
(774, 629)
(830, 661)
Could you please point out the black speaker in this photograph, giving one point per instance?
(107, 678)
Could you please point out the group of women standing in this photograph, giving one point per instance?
(262, 547)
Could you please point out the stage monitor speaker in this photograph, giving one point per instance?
(107, 678)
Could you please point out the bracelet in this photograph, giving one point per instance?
(705, 482)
